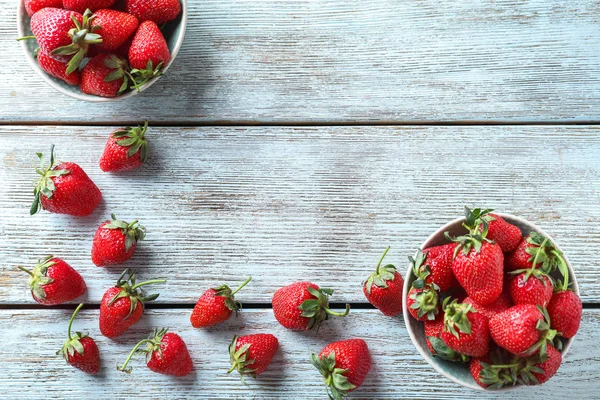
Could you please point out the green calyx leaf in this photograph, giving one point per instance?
(335, 378)
(135, 139)
(240, 361)
(120, 70)
(546, 257)
(477, 224)
(456, 317)
(129, 288)
(445, 352)
(229, 295)
(503, 370)
(133, 231)
(421, 271)
(73, 343)
(45, 185)
(547, 335)
(317, 308)
(38, 277)
(476, 218)
(425, 301)
(140, 77)
(153, 344)
(381, 275)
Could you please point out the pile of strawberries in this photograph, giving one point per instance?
(104, 46)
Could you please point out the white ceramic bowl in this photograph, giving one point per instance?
(459, 373)
(174, 32)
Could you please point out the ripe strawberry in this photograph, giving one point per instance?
(57, 68)
(123, 305)
(531, 287)
(536, 250)
(166, 353)
(302, 306)
(523, 329)
(126, 149)
(565, 311)
(252, 354)
(383, 288)
(81, 350)
(344, 366)
(539, 369)
(496, 370)
(53, 282)
(115, 28)
(105, 75)
(489, 310)
(435, 344)
(159, 11)
(465, 330)
(33, 6)
(64, 189)
(215, 306)
(438, 260)
(504, 234)
(82, 5)
(423, 303)
(148, 53)
(115, 241)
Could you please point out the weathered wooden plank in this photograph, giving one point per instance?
(285, 204)
(32, 370)
(354, 60)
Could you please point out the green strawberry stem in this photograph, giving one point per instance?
(338, 314)
(137, 285)
(72, 319)
(130, 356)
(26, 270)
(26, 38)
(537, 254)
(242, 285)
(562, 267)
(381, 260)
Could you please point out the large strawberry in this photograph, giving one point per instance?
(537, 251)
(80, 350)
(489, 310)
(344, 366)
(216, 305)
(123, 305)
(435, 344)
(64, 189)
(465, 330)
(56, 68)
(53, 282)
(565, 311)
(115, 241)
(506, 235)
(106, 75)
(438, 263)
(148, 53)
(252, 354)
(531, 287)
(159, 11)
(383, 288)
(82, 5)
(422, 301)
(166, 353)
(538, 369)
(33, 6)
(126, 149)
(115, 28)
(496, 370)
(302, 306)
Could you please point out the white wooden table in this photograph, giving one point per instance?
(295, 140)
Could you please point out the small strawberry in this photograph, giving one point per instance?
(105, 76)
(123, 305)
(489, 310)
(64, 189)
(148, 53)
(344, 366)
(302, 306)
(166, 353)
(159, 11)
(57, 68)
(383, 288)
(532, 286)
(216, 305)
(438, 260)
(496, 370)
(504, 234)
(115, 28)
(252, 354)
(53, 282)
(82, 5)
(540, 369)
(465, 330)
(126, 149)
(81, 350)
(115, 241)
(435, 344)
(565, 311)
(33, 6)
(536, 251)
(423, 299)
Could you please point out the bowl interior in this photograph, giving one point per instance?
(174, 32)
(459, 373)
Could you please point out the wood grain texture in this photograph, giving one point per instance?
(287, 204)
(354, 60)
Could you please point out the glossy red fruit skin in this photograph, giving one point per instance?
(108, 247)
(515, 329)
(75, 193)
(148, 44)
(159, 11)
(263, 347)
(535, 290)
(550, 366)
(475, 368)
(33, 6)
(117, 27)
(439, 259)
(51, 26)
(89, 361)
(57, 68)
(565, 310)
(175, 359)
(114, 158)
(433, 329)
(481, 274)
(414, 312)
(506, 235)
(81, 5)
(476, 344)
(489, 310)
(68, 284)
(351, 355)
(286, 301)
(115, 318)
(387, 300)
(519, 258)
(92, 78)
(210, 309)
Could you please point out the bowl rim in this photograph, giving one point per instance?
(50, 80)
(408, 318)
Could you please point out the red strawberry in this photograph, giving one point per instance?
(504, 234)
(523, 329)
(82, 5)
(215, 306)
(302, 306)
(435, 344)
(496, 370)
(531, 287)
(383, 288)
(438, 260)
(423, 303)
(126, 149)
(115, 28)
(565, 311)
(81, 350)
(57, 68)
(64, 189)
(252, 354)
(159, 11)
(105, 75)
(33, 6)
(148, 53)
(344, 366)
(115, 241)
(166, 353)
(465, 330)
(539, 250)
(539, 369)
(53, 282)
(123, 305)
(489, 310)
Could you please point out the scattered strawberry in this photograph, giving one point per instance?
(53, 282)
(344, 366)
(536, 251)
(115, 28)
(423, 298)
(115, 241)
(489, 310)
(302, 306)
(81, 350)
(105, 75)
(438, 261)
(252, 354)
(496, 370)
(64, 189)
(166, 353)
(82, 5)
(159, 11)
(465, 330)
(216, 305)
(123, 305)
(504, 234)
(435, 344)
(33, 6)
(383, 288)
(565, 311)
(539, 369)
(126, 149)
(57, 68)
(531, 287)
(148, 53)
